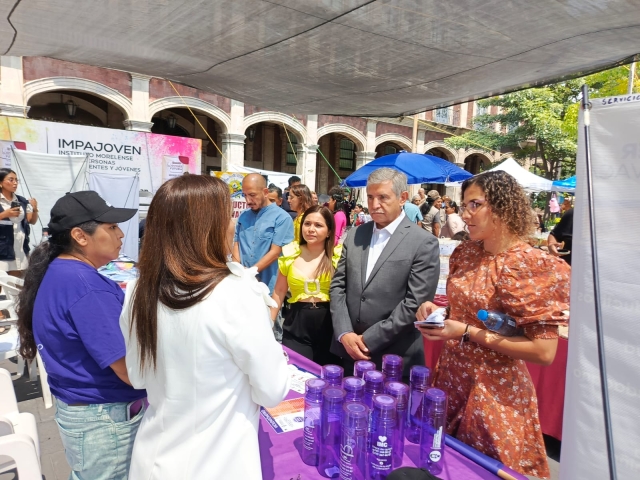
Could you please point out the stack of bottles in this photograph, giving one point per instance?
(355, 429)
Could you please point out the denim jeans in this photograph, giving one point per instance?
(98, 439)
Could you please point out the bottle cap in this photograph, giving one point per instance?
(385, 405)
(353, 384)
(362, 366)
(373, 380)
(436, 397)
(419, 375)
(483, 315)
(314, 385)
(332, 374)
(332, 396)
(390, 360)
(399, 391)
(356, 415)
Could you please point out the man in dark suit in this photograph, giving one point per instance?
(388, 268)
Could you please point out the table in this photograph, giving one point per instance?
(549, 383)
(280, 453)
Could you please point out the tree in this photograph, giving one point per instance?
(541, 122)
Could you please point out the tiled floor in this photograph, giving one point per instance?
(54, 464)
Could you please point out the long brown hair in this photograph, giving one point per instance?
(302, 192)
(183, 255)
(326, 264)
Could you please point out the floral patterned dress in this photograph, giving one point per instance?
(492, 401)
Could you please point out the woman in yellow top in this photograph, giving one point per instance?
(299, 201)
(306, 269)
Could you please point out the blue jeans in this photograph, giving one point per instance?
(98, 439)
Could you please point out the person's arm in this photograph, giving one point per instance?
(436, 225)
(421, 286)
(120, 369)
(553, 245)
(279, 293)
(10, 213)
(32, 216)
(270, 257)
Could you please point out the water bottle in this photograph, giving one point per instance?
(362, 366)
(420, 378)
(433, 431)
(312, 413)
(373, 384)
(354, 387)
(332, 374)
(353, 443)
(383, 427)
(400, 392)
(330, 426)
(499, 322)
(392, 367)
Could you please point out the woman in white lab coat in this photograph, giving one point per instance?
(199, 340)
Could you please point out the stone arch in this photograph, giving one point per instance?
(450, 153)
(348, 131)
(278, 118)
(395, 138)
(50, 84)
(197, 104)
(484, 156)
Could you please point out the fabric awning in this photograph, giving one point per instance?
(357, 57)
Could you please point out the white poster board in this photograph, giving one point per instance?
(615, 153)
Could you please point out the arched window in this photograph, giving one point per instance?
(347, 154)
(389, 150)
(292, 143)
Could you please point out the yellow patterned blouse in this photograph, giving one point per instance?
(318, 288)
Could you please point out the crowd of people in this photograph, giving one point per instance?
(197, 333)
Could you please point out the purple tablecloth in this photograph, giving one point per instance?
(280, 453)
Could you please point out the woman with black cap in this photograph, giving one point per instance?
(70, 314)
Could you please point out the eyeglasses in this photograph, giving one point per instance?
(472, 207)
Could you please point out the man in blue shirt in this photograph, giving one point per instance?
(262, 230)
(412, 211)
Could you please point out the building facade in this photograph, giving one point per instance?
(320, 149)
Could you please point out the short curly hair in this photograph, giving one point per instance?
(507, 199)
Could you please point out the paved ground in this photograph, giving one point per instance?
(54, 464)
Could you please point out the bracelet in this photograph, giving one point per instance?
(466, 336)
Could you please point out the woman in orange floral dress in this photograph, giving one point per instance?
(492, 402)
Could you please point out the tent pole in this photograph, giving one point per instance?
(632, 77)
(586, 107)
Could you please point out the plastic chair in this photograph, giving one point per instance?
(18, 433)
(9, 341)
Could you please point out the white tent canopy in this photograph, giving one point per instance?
(356, 57)
(528, 180)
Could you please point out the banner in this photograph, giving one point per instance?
(234, 180)
(615, 153)
(109, 150)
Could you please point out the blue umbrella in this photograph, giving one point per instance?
(419, 168)
(566, 185)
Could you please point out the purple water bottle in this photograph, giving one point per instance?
(373, 384)
(354, 387)
(392, 367)
(420, 378)
(362, 366)
(330, 426)
(353, 443)
(383, 428)
(400, 392)
(332, 374)
(312, 413)
(433, 430)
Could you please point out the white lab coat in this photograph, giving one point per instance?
(216, 363)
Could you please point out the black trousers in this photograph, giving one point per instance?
(308, 331)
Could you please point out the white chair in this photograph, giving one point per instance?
(9, 340)
(19, 441)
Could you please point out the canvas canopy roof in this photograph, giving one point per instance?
(354, 57)
(528, 180)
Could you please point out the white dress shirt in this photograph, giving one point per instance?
(379, 240)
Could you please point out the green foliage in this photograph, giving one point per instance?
(544, 121)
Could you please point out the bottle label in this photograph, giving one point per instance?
(347, 462)
(311, 420)
(381, 450)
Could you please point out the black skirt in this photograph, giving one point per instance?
(309, 331)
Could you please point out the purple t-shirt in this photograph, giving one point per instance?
(76, 328)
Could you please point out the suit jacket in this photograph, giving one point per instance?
(382, 309)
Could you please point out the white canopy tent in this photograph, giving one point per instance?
(528, 180)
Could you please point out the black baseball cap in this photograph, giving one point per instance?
(79, 207)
